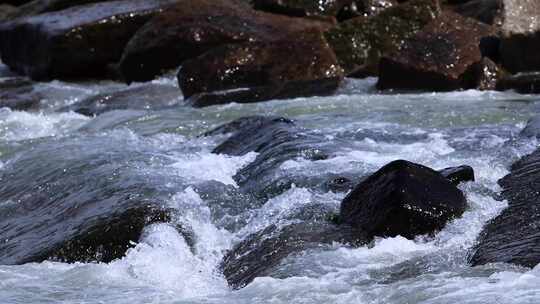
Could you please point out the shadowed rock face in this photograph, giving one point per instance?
(193, 27)
(77, 42)
(360, 42)
(514, 236)
(402, 198)
(486, 11)
(296, 66)
(364, 8)
(520, 42)
(441, 57)
(18, 94)
(301, 8)
(525, 83)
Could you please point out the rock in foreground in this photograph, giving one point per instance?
(298, 66)
(513, 236)
(77, 42)
(402, 198)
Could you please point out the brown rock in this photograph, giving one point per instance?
(299, 65)
(301, 8)
(485, 75)
(77, 42)
(438, 58)
(360, 42)
(364, 8)
(193, 27)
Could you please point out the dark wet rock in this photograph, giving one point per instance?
(72, 202)
(525, 83)
(520, 41)
(301, 8)
(486, 11)
(261, 252)
(485, 75)
(513, 236)
(298, 66)
(532, 129)
(6, 11)
(77, 42)
(143, 97)
(364, 8)
(457, 175)
(18, 94)
(441, 57)
(276, 140)
(37, 7)
(360, 42)
(402, 198)
(193, 27)
(15, 2)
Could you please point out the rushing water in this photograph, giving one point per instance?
(160, 150)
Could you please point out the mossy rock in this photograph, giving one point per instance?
(360, 42)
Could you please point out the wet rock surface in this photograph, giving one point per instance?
(402, 198)
(439, 58)
(513, 237)
(301, 8)
(143, 97)
(80, 211)
(37, 7)
(300, 65)
(77, 42)
(191, 28)
(520, 42)
(18, 94)
(364, 8)
(360, 42)
(526, 83)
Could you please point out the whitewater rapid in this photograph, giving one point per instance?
(161, 149)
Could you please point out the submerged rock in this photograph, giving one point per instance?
(77, 42)
(297, 66)
(360, 42)
(143, 97)
(402, 198)
(193, 27)
(18, 94)
(532, 129)
(513, 236)
(442, 57)
(525, 83)
(261, 252)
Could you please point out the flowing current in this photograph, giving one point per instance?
(160, 152)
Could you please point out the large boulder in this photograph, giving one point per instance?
(192, 27)
(296, 66)
(360, 42)
(402, 198)
(442, 57)
(77, 42)
(301, 8)
(520, 42)
(513, 236)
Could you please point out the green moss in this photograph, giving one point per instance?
(360, 42)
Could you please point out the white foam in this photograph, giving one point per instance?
(15, 125)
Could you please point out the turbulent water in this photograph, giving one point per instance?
(160, 152)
